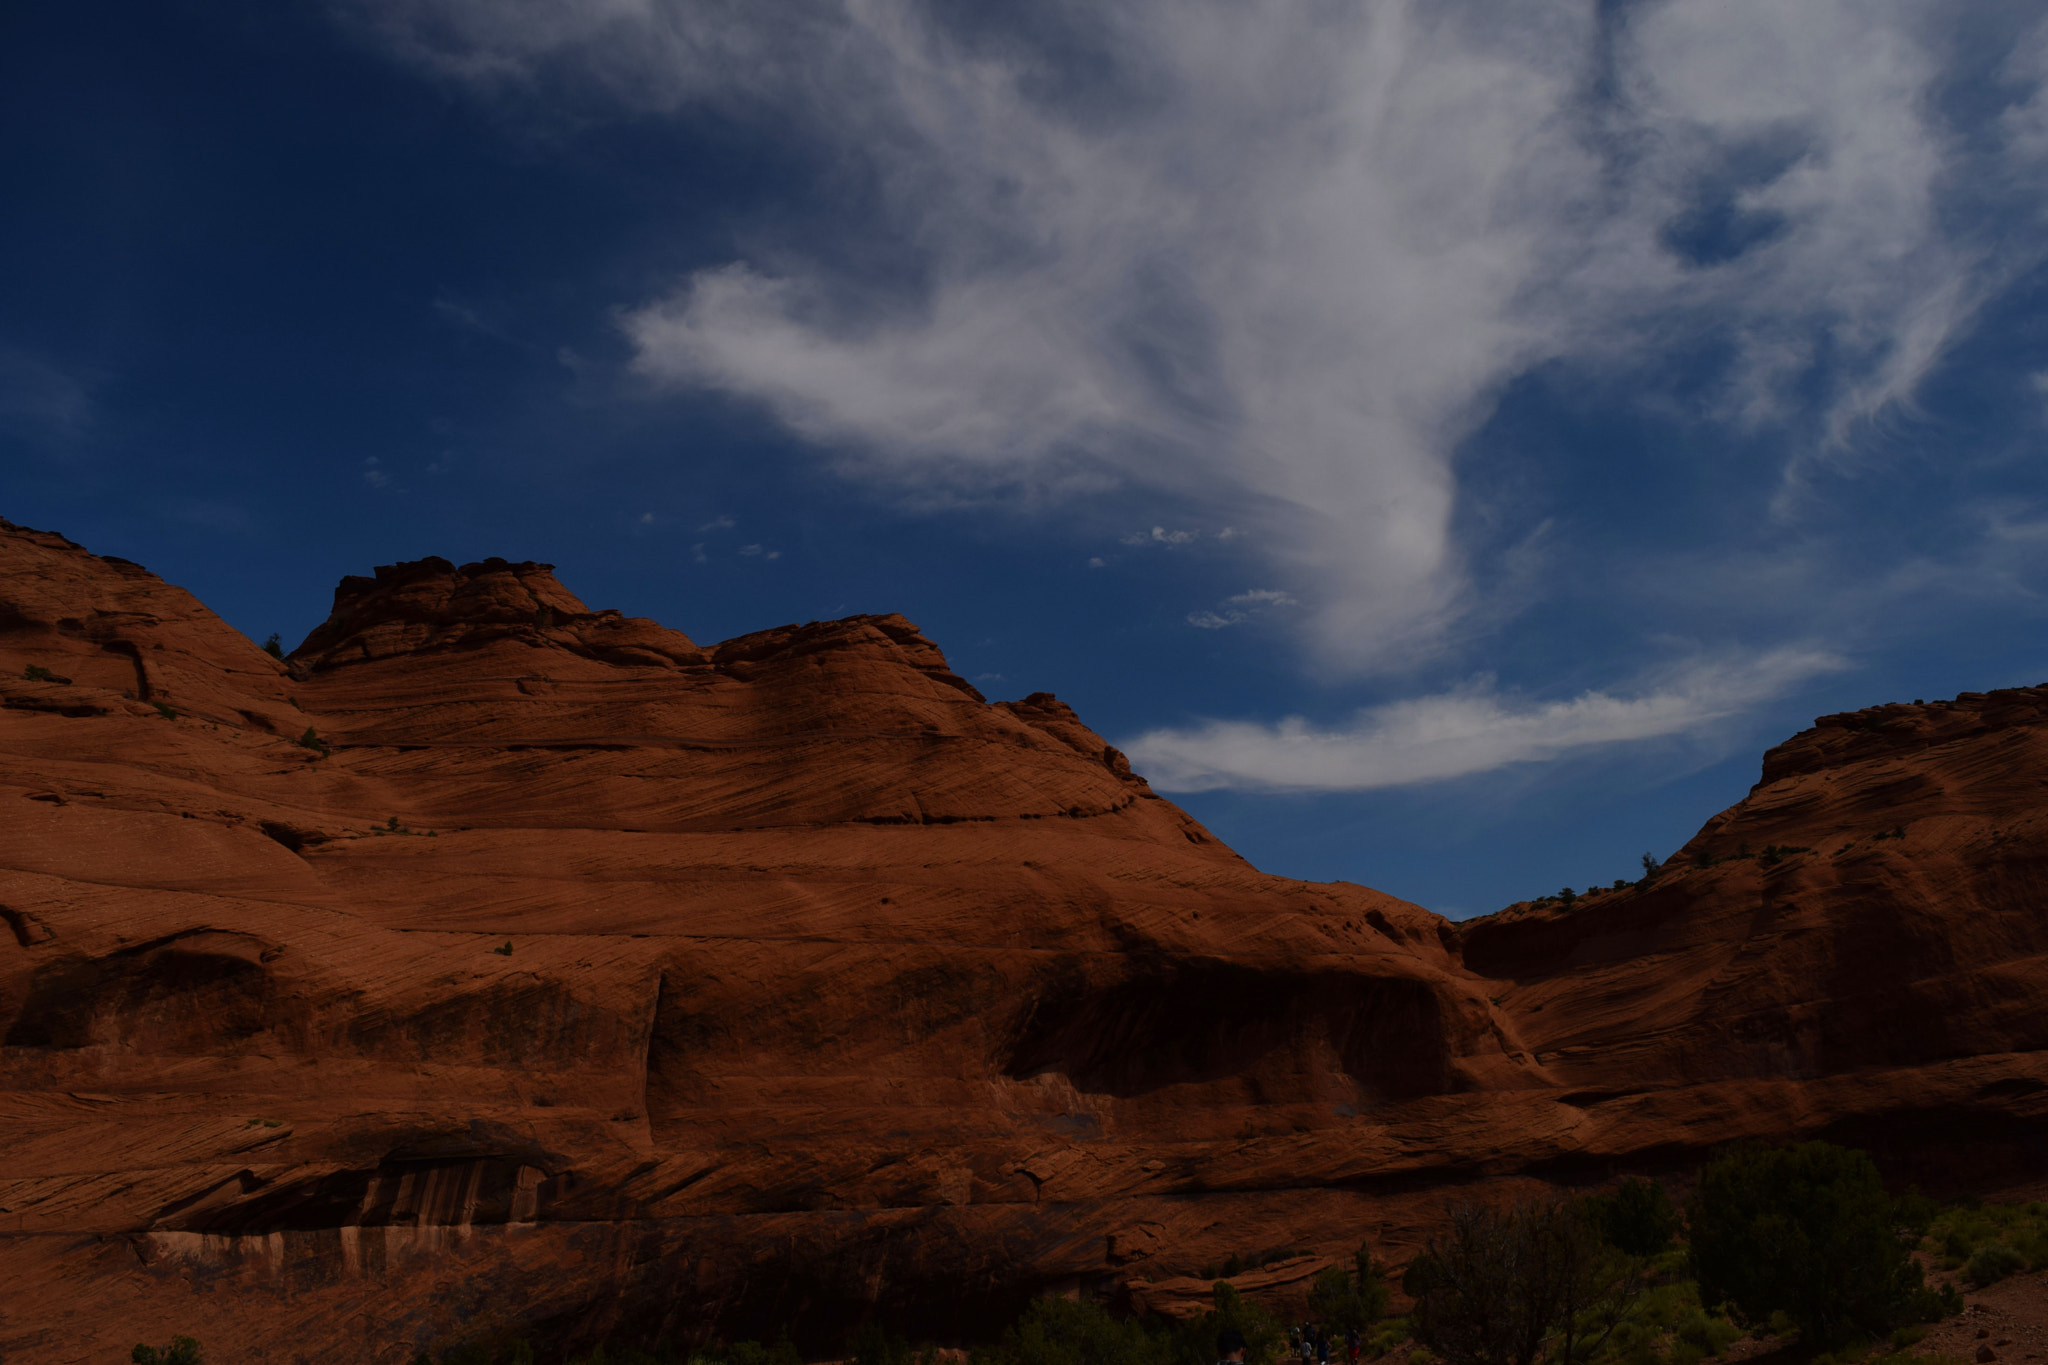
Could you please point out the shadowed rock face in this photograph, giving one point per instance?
(833, 988)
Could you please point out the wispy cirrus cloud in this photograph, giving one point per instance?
(1458, 734)
(1280, 258)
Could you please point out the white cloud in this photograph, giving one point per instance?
(1159, 535)
(718, 523)
(1456, 734)
(1096, 562)
(1241, 608)
(1277, 258)
(759, 552)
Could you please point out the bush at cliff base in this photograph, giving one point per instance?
(1350, 1297)
(1638, 1219)
(1056, 1331)
(1514, 1285)
(1807, 1231)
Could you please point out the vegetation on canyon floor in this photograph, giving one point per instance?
(1800, 1246)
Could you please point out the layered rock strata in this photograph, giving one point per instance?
(495, 964)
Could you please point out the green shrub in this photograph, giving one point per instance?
(1056, 1331)
(165, 709)
(181, 1351)
(274, 646)
(1806, 1230)
(311, 740)
(1710, 1333)
(754, 1353)
(1638, 1218)
(1927, 1303)
(1915, 1211)
(1193, 1341)
(1392, 1333)
(874, 1344)
(1992, 1262)
(37, 673)
(1353, 1296)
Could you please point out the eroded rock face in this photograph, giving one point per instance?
(1859, 948)
(589, 976)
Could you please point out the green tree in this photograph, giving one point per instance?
(274, 646)
(181, 1351)
(1479, 1297)
(1502, 1287)
(1806, 1230)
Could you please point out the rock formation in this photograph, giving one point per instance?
(495, 964)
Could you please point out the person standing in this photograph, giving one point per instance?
(1230, 1347)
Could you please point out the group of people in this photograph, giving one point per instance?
(1310, 1342)
(1315, 1344)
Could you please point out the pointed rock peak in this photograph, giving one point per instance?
(428, 604)
(1048, 714)
(890, 636)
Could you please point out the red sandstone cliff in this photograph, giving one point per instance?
(832, 987)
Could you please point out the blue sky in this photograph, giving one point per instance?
(1444, 444)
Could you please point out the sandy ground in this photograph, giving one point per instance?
(2009, 1320)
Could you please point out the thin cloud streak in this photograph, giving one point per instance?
(1458, 734)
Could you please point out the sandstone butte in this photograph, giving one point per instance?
(592, 980)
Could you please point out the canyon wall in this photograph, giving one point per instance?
(492, 963)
